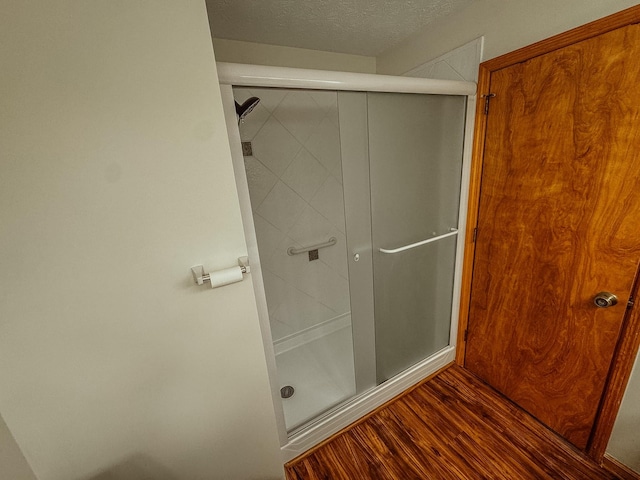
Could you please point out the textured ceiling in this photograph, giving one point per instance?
(363, 27)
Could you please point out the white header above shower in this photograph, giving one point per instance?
(239, 74)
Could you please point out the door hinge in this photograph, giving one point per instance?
(487, 99)
(630, 303)
(475, 235)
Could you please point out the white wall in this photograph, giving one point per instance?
(262, 54)
(13, 465)
(506, 26)
(459, 64)
(115, 178)
(624, 444)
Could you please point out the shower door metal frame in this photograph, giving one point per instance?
(260, 76)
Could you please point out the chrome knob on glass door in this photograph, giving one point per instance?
(605, 299)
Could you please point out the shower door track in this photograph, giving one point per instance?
(241, 75)
(230, 75)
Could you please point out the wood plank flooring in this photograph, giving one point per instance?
(454, 427)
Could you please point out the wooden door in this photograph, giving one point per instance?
(558, 222)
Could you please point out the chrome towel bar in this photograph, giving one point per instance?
(454, 231)
(298, 251)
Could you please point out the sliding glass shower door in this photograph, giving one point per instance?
(292, 160)
(355, 200)
(415, 157)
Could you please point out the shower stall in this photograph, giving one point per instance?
(352, 188)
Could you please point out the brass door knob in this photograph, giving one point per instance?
(605, 300)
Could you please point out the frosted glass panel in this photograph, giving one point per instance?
(415, 152)
(293, 165)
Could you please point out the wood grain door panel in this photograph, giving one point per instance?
(559, 221)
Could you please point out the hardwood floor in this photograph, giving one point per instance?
(453, 426)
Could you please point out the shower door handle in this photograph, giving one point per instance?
(454, 231)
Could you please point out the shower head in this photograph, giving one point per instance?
(247, 106)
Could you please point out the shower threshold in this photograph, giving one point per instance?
(344, 414)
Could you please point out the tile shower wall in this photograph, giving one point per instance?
(295, 185)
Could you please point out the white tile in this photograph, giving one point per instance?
(311, 228)
(280, 330)
(297, 271)
(336, 256)
(333, 116)
(301, 311)
(443, 71)
(299, 114)
(275, 146)
(338, 360)
(306, 277)
(270, 98)
(330, 202)
(260, 180)
(331, 354)
(465, 62)
(240, 94)
(305, 175)
(282, 207)
(334, 292)
(324, 144)
(325, 99)
(252, 123)
(269, 237)
(275, 290)
(287, 267)
(337, 172)
(325, 285)
(424, 71)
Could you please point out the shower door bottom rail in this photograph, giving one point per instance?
(454, 231)
(354, 409)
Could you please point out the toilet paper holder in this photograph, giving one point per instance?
(200, 276)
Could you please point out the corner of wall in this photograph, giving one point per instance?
(235, 51)
(14, 464)
(506, 26)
